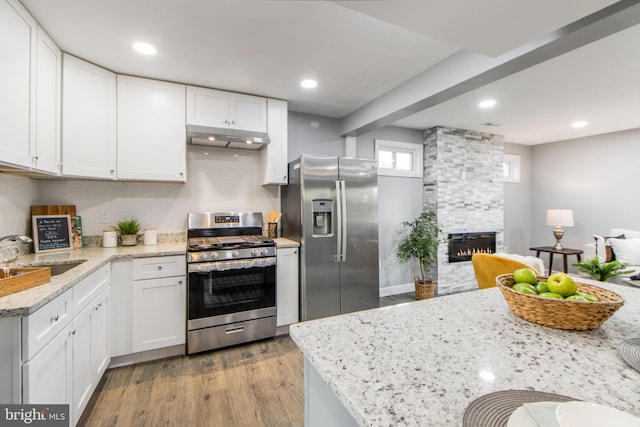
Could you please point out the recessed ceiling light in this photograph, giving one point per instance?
(579, 124)
(144, 48)
(308, 83)
(487, 103)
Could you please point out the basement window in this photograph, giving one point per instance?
(511, 168)
(398, 158)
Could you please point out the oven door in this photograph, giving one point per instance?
(225, 287)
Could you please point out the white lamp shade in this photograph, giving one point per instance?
(562, 217)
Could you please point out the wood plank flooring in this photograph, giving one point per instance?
(257, 384)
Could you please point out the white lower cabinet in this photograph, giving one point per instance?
(287, 286)
(65, 345)
(158, 303)
(90, 331)
(46, 378)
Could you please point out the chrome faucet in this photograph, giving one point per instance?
(17, 238)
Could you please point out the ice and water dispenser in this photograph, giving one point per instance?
(322, 212)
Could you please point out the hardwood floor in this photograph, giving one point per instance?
(257, 384)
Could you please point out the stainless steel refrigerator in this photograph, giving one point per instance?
(331, 207)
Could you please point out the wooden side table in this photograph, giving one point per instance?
(564, 252)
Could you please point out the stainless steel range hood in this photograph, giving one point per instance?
(228, 138)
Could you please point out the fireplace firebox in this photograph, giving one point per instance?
(462, 246)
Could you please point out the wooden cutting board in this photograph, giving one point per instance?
(53, 210)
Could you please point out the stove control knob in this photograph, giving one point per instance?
(214, 255)
(235, 254)
(264, 251)
(255, 252)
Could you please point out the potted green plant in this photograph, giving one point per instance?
(421, 243)
(128, 230)
(604, 271)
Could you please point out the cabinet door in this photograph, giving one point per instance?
(46, 378)
(247, 112)
(83, 384)
(158, 313)
(207, 107)
(88, 119)
(100, 336)
(17, 102)
(274, 155)
(151, 130)
(287, 286)
(48, 104)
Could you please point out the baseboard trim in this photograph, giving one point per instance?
(397, 289)
(147, 356)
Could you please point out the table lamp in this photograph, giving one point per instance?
(559, 218)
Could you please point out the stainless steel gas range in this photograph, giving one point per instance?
(231, 274)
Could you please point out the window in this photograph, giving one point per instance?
(511, 168)
(398, 158)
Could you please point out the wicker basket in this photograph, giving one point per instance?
(425, 290)
(561, 314)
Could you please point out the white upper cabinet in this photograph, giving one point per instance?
(151, 130)
(48, 105)
(274, 155)
(88, 120)
(216, 108)
(18, 33)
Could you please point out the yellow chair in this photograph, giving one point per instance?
(488, 266)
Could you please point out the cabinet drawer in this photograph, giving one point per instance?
(155, 267)
(89, 288)
(41, 326)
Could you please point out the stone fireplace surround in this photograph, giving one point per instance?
(463, 186)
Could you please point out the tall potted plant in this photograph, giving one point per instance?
(421, 243)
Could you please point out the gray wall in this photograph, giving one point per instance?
(517, 204)
(399, 199)
(313, 135)
(597, 177)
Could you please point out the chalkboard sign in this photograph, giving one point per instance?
(51, 233)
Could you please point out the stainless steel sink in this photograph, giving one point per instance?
(60, 268)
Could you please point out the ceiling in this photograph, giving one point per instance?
(364, 53)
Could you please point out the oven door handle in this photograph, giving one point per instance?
(239, 264)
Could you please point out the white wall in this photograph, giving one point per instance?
(313, 135)
(217, 180)
(517, 204)
(597, 177)
(16, 197)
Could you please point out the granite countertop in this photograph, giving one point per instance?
(29, 300)
(422, 363)
(282, 242)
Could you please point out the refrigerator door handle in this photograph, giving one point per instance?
(343, 219)
(338, 255)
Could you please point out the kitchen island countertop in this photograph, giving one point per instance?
(422, 363)
(27, 301)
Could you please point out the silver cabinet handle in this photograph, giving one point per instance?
(72, 332)
(159, 267)
(179, 282)
(55, 318)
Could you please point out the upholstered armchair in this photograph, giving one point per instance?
(489, 266)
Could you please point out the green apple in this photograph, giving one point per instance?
(577, 297)
(525, 275)
(542, 287)
(589, 297)
(550, 295)
(562, 283)
(525, 288)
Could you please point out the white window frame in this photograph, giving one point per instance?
(404, 147)
(513, 160)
